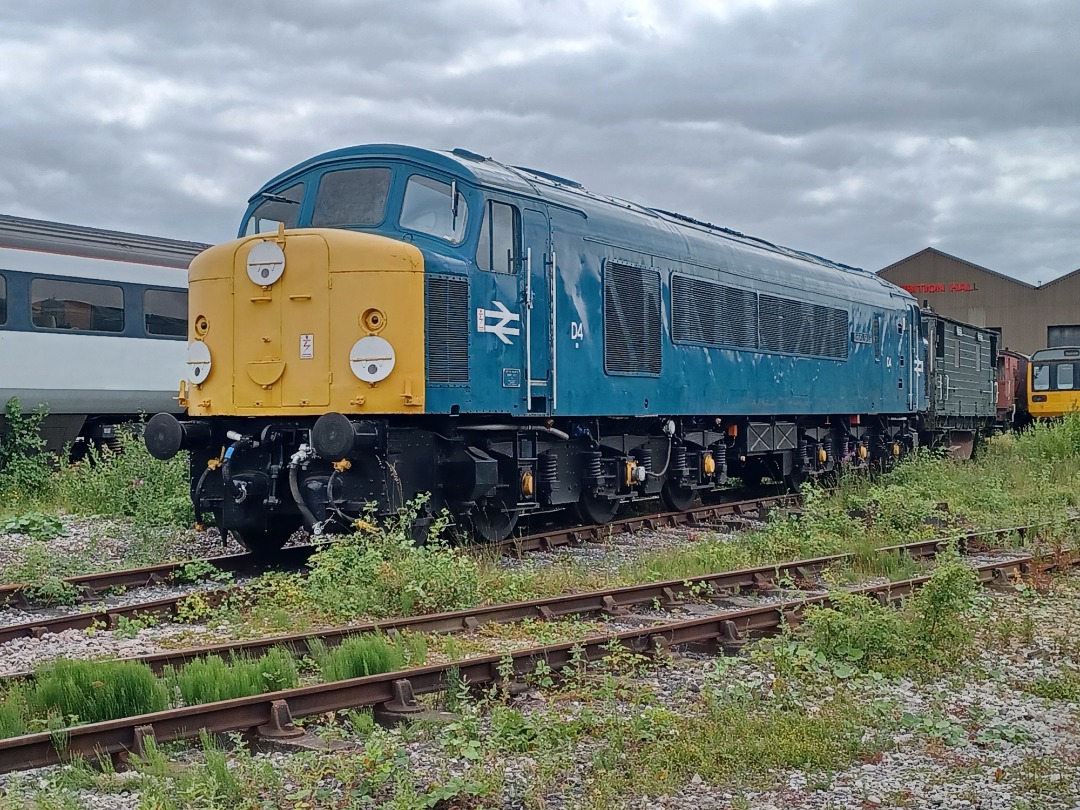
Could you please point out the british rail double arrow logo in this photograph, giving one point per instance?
(498, 321)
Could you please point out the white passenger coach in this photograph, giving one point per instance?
(93, 326)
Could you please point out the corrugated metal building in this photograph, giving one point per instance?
(1028, 317)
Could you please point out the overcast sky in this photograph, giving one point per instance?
(860, 130)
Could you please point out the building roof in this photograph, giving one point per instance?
(980, 268)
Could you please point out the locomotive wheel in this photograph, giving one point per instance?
(493, 521)
(269, 541)
(592, 508)
(676, 498)
(795, 479)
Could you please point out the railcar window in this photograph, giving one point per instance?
(3, 300)
(280, 207)
(165, 312)
(351, 197)
(497, 251)
(427, 208)
(63, 304)
(1065, 377)
(1040, 378)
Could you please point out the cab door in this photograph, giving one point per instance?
(536, 298)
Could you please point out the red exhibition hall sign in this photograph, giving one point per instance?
(953, 286)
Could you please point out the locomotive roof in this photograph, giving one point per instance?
(567, 194)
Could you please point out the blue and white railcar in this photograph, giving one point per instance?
(92, 325)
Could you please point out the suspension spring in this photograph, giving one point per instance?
(590, 463)
(679, 468)
(644, 458)
(719, 452)
(548, 468)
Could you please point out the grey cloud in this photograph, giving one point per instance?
(860, 131)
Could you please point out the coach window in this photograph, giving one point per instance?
(165, 313)
(351, 197)
(282, 207)
(63, 304)
(431, 207)
(3, 300)
(497, 251)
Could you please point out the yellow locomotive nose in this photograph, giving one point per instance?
(332, 320)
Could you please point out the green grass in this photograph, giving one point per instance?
(367, 654)
(210, 679)
(13, 713)
(92, 691)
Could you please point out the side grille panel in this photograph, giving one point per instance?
(797, 327)
(632, 330)
(446, 332)
(706, 312)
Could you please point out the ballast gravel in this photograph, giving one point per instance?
(1005, 747)
(89, 544)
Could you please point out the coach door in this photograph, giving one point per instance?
(537, 299)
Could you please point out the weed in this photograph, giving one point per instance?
(935, 726)
(856, 634)
(52, 591)
(206, 680)
(13, 712)
(198, 571)
(131, 484)
(129, 628)
(359, 656)
(35, 525)
(25, 470)
(1063, 686)
(92, 691)
(380, 572)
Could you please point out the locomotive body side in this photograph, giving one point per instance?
(395, 321)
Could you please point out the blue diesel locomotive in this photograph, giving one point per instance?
(393, 320)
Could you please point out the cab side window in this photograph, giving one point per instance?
(497, 251)
(282, 207)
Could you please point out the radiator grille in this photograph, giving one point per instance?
(800, 328)
(447, 329)
(706, 312)
(631, 319)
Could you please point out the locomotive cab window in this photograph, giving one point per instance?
(277, 208)
(165, 312)
(497, 251)
(63, 304)
(435, 208)
(354, 197)
(3, 300)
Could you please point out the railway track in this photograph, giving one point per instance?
(272, 713)
(668, 593)
(99, 585)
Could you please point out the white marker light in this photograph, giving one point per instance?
(371, 359)
(265, 263)
(198, 362)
